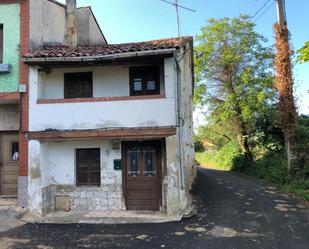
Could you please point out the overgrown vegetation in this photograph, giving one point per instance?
(303, 53)
(244, 132)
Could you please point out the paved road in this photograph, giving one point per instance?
(234, 212)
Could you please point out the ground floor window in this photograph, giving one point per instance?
(88, 167)
(15, 151)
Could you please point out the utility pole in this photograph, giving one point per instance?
(281, 12)
(284, 85)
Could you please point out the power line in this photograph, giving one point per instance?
(260, 9)
(264, 11)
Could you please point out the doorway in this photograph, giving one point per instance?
(142, 174)
(9, 158)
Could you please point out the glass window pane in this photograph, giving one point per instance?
(151, 85)
(134, 167)
(150, 162)
(88, 167)
(137, 84)
(78, 85)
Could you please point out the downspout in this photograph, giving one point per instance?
(179, 122)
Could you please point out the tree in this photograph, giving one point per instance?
(234, 76)
(303, 53)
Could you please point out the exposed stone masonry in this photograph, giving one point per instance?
(107, 197)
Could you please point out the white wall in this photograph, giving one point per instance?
(58, 164)
(53, 163)
(108, 81)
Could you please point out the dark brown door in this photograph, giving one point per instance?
(142, 175)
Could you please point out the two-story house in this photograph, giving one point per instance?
(26, 25)
(110, 126)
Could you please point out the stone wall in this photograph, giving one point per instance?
(107, 197)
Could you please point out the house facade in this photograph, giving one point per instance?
(102, 126)
(110, 127)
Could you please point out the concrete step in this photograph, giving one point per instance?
(105, 217)
(8, 200)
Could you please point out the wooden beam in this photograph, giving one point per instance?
(125, 133)
(9, 96)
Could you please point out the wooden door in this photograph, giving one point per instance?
(9, 155)
(142, 175)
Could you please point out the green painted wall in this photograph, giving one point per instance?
(10, 18)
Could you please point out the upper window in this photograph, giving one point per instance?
(144, 80)
(78, 85)
(1, 43)
(88, 167)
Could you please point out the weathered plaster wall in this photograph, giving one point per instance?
(47, 22)
(88, 32)
(9, 117)
(10, 18)
(56, 176)
(186, 111)
(95, 115)
(82, 20)
(181, 170)
(95, 35)
(34, 177)
(177, 199)
(54, 22)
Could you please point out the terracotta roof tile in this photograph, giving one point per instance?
(108, 49)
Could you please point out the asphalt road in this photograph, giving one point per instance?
(234, 212)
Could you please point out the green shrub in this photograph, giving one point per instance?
(198, 146)
(222, 158)
(272, 168)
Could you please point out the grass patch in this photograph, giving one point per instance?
(219, 159)
(299, 188)
(207, 159)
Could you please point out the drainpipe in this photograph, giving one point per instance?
(71, 29)
(179, 122)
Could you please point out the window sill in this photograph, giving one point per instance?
(99, 99)
(88, 187)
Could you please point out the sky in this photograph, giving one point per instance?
(140, 20)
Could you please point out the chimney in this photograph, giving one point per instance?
(71, 29)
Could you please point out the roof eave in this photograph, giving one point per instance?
(41, 60)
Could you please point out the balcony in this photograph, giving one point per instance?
(111, 104)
